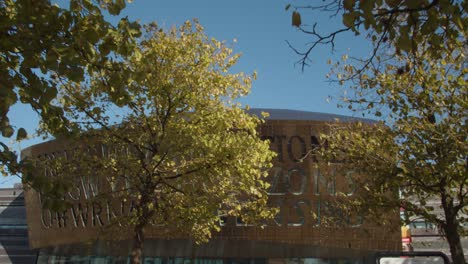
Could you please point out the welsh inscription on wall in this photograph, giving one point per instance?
(303, 193)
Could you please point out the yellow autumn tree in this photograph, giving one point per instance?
(420, 147)
(41, 40)
(183, 150)
(414, 81)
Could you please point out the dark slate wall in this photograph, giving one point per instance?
(14, 247)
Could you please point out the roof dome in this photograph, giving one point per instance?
(287, 114)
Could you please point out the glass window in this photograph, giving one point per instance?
(53, 259)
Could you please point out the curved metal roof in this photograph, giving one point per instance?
(287, 114)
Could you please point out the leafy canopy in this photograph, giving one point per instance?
(393, 26)
(415, 81)
(179, 145)
(420, 150)
(43, 44)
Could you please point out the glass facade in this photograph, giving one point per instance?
(46, 258)
(182, 251)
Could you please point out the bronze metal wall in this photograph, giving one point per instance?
(299, 188)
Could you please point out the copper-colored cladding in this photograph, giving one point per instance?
(296, 187)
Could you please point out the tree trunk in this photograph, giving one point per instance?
(453, 238)
(137, 244)
(139, 232)
(451, 228)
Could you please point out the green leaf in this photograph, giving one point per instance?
(7, 131)
(21, 134)
(75, 74)
(394, 3)
(404, 42)
(458, 21)
(115, 8)
(366, 7)
(348, 19)
(429, 27)
(349, 4)
(49, 95)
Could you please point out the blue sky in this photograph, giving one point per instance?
(261, 28)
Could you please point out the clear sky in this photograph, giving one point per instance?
(261, 28)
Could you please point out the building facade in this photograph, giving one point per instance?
(301, 190)
(14, 246)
